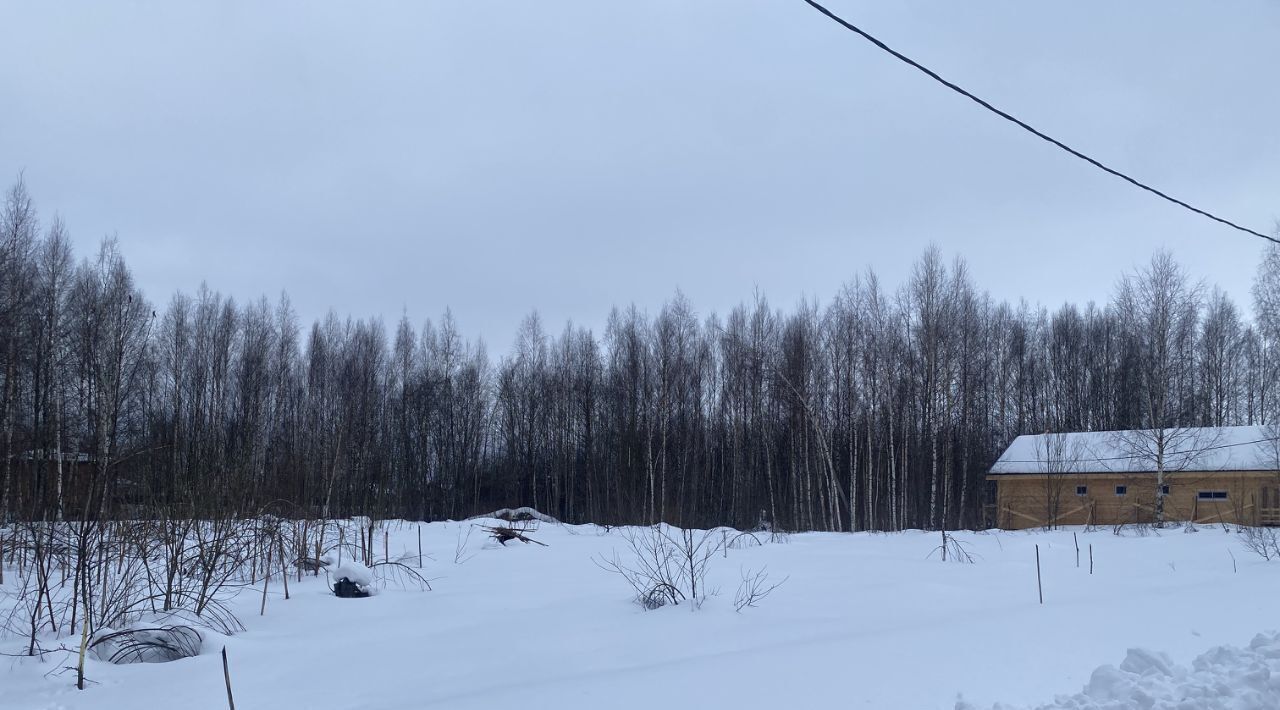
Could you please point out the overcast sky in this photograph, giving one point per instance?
(565, 156)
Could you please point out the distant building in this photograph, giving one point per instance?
(35, 483)
(42, 455)
(1212, 475)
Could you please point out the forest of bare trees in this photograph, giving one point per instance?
(880, 410)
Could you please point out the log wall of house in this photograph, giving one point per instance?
(1037, 500)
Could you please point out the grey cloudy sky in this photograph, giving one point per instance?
(497, 157)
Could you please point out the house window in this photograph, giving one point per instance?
(1164, 490)
(1122, 490)
(1212, 495)
(1082, 490)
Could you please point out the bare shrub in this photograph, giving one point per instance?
(460, 553)
(668, 565)
(754, 588)
(1263, 542)
(951, 549)
(100, 578)
(742, 541)
(158, 644)
(399, 574)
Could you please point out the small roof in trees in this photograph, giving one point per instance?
(1237, 448)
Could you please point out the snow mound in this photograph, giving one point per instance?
(520, 514)
(351, 569)
(146, 644)
(1224, 678)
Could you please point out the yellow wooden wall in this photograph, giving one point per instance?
(1023, 501)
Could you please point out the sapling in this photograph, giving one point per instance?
(953, 549)
(460, 547)
(755, 587)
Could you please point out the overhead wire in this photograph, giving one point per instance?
(1028, 127)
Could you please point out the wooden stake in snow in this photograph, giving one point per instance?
(1039, 587)
(1077, 542)
(266, 580)
(226, 676)
(84, 646)
(284, 570)
(1091, 558)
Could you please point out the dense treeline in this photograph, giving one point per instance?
(881, 410)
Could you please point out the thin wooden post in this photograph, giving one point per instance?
(1039, 587)
(419, 546)
(1091, 558)
(386, 545)
(266, 581)
(1077, 542)
(84, 646)
(302, 549)
(284, 570)
(226, 676)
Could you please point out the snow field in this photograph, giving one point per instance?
(864, 620)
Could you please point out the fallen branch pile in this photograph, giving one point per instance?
(506, 533)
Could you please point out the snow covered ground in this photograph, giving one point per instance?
(863, 620)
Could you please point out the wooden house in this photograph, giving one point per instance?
(36, 477)
(1211, 475)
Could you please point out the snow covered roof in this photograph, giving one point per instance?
(1237, 448)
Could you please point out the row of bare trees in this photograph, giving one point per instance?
(881, 410)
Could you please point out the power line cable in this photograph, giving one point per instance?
(1028, 127)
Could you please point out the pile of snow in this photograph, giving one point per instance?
(1225, 678)
(144, 643)
(348, 568)
(522, 513)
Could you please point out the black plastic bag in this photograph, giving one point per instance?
(347, 589)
